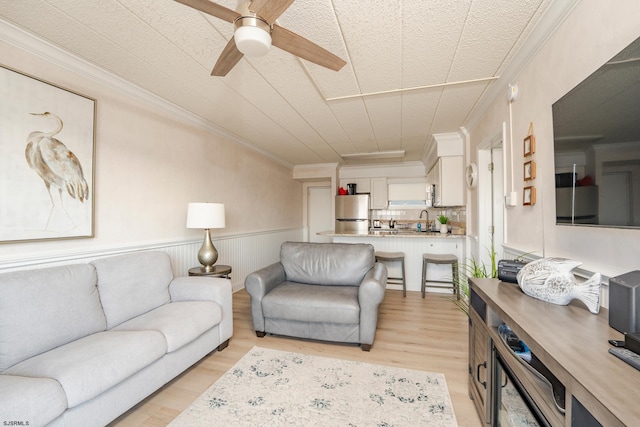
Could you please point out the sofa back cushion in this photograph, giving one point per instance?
(133, 284)
(45, 308)
(342, 264)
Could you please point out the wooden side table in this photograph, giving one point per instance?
(217, 271)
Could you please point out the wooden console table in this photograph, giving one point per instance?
(569, 340)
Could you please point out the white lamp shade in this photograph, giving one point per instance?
(205, 215)
(252, 41)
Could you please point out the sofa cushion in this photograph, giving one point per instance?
(37, 401)
(327, 263)
(133, 284)
(312, 303)
(179, 322)
(91, 365)
(45, 308)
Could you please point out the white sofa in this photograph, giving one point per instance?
(81, 344)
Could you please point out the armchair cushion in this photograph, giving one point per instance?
(340, 264)
(312, 303)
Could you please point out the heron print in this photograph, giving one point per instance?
(56, 165)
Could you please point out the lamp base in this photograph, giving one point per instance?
(207, 255)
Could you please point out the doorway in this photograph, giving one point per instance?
(319, 213)
(614, 199)
(491, 206)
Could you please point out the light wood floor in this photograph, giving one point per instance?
(428, 334)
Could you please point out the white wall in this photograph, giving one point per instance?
(594, 32)
(150, 162)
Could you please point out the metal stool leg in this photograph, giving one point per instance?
(456, 282)
(404, 280)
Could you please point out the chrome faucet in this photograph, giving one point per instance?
(420, 217)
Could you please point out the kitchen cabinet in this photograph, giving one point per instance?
(379, 193)
(448, 177)
(479, 360)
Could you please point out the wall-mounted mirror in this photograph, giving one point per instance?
(596, 130)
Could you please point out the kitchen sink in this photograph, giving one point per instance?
(402, 232)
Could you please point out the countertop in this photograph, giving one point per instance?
(395, 233)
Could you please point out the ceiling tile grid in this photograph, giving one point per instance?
(283, 105)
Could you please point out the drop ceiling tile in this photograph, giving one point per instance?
(317, 22)
(368, 33)
(491, 30)
(431, 31)
(385, 113)
(353, 118)
(455, 105)
(418, 110)
(278, 102)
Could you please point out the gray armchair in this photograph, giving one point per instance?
(324, 291)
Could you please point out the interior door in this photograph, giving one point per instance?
(491, 205)
(319, 215)
(614, 199)
(497, 205)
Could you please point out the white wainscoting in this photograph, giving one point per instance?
(245, 253)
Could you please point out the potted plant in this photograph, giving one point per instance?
(443, 220)
(473, 268)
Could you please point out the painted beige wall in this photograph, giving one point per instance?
(593, 33)
(150, 163)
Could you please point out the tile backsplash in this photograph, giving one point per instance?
(408, 218)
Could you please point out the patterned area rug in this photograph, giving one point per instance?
(274, 388)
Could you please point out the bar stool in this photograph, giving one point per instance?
(441, 259)
(394, 257)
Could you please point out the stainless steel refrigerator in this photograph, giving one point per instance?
(352, 214)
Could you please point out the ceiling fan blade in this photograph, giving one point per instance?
(227, 60)
(305, 49)
(212, 9)
(269, 10)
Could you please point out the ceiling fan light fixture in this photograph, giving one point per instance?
(252, 36)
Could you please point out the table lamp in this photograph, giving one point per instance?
(206, 216)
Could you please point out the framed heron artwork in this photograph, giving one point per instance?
(47, 141)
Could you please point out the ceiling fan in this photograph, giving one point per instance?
(255, 31)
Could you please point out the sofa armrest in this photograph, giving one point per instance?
(370, 295)
(202, 288)
(258, 284)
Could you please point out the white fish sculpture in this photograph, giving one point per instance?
(552, 280)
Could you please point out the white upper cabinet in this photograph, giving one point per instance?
(379, 199)
(448, 176)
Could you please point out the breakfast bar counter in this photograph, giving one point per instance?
(387, 233)
(413, 244)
